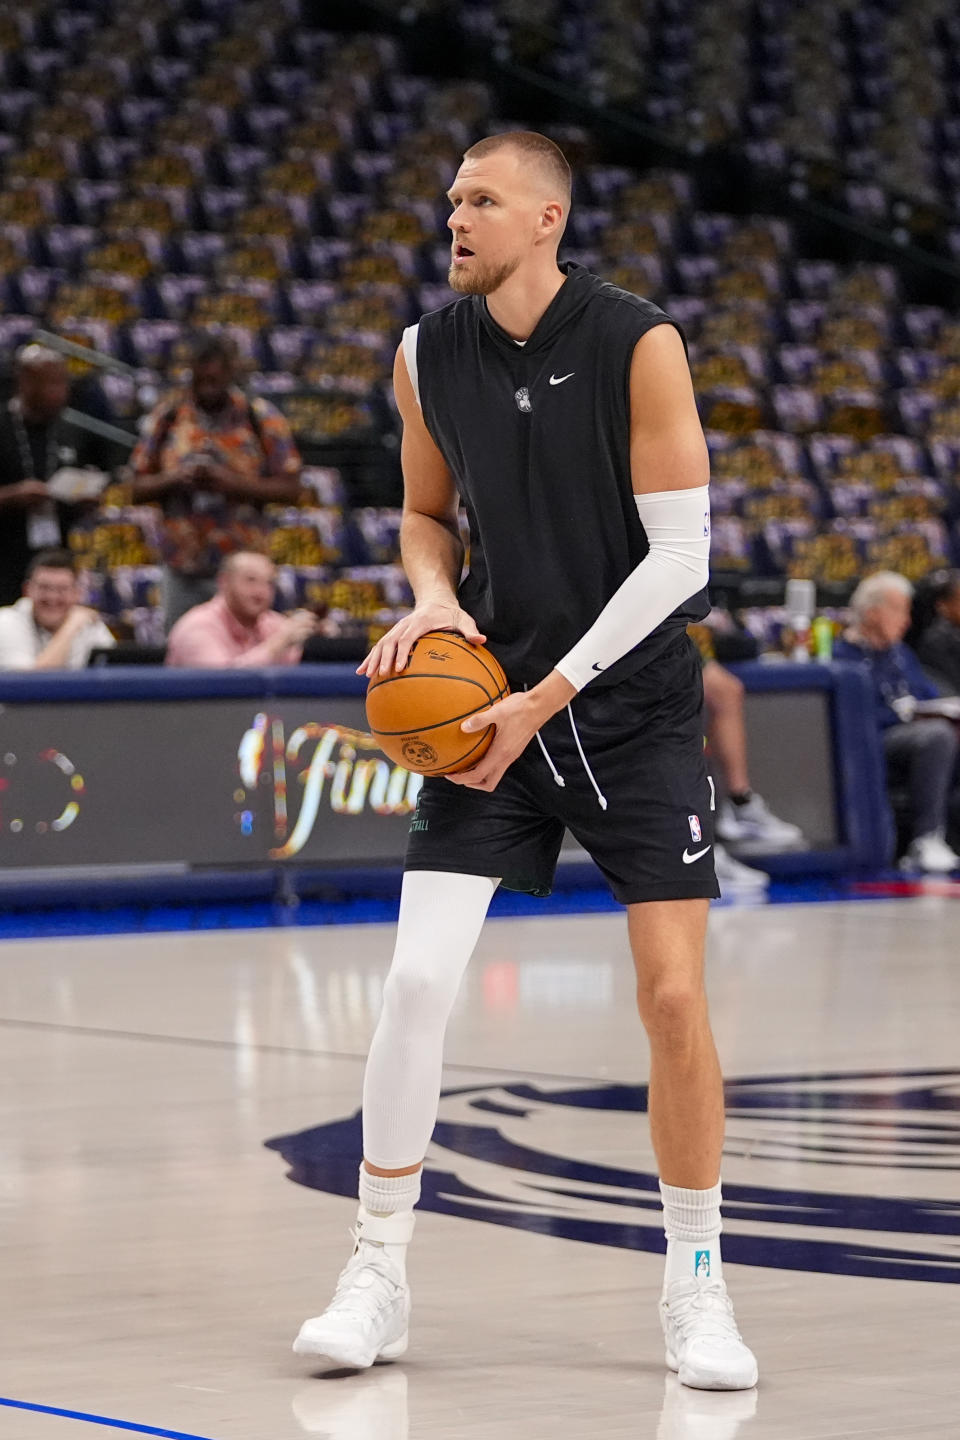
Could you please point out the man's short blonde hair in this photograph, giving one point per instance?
(229, 563)
(534, 149)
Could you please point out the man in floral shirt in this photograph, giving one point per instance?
(212, 458)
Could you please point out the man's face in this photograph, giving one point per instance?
(54, 593)
(889, 618)
(494, 221)
(211, 385)
(43, 391)
(249, 587)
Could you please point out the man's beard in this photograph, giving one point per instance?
(480, 279)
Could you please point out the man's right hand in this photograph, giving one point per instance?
(299, 627)
(78, 617)
(393, 651)
(183, 476)
(152, 487)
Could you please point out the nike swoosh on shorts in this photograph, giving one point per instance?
(688, 859)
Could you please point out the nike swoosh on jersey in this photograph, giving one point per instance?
(688, 859)
(559, 379)
(598, 667)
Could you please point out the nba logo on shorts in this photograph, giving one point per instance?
(701, 1264)
(696, 833)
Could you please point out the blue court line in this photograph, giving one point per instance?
(101, 1420)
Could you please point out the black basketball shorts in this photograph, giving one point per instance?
(635, 794)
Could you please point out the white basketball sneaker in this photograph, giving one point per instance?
(755, 824)
(930, 854)
(368, 1317)
(733, 877)
(704, 1345)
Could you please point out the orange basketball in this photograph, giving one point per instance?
(415, 714)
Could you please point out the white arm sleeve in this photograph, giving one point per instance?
(677, 523)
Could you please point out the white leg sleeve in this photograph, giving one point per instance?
(441, 917)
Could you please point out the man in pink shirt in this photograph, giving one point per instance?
(238, 627)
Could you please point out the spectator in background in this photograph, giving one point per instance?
(35, 442)
(49, 629)
(212, 458)
(921, 750)
(239, 627)
(935, 632)
(744, 817)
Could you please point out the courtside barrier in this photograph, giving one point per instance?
(148, 783)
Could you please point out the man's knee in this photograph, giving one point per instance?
(721, 688)
(672, 1009)
(936, 736)
(416, 991)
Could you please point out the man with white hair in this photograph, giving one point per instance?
(921, 751)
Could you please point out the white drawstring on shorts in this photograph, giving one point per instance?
(553, 769)
(558, 778)
(601, 798)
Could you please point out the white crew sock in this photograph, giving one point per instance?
(385, 1218)
(386, 1194)
(691, 1219)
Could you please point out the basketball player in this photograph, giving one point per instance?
(560, 410)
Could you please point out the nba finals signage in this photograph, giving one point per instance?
(199, 782)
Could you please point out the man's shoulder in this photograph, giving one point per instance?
(447, 317)
(198, 616)
(845, 649)
(166, 411)
(265, 415)
(271, 620)
(11, 618)
(635, 308)
(17, 636)
(260, 406)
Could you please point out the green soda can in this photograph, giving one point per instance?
(822, 638)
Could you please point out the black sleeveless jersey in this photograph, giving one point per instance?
(537, 439)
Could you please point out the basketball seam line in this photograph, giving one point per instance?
(437, 725)
(441, 675)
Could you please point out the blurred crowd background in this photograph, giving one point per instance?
(250, 170)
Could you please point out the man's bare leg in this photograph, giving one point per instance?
(667, 938)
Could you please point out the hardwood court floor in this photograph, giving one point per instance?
(157, 1261)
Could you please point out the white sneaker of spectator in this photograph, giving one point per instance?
(754, 823)
(931, 854)
(732, 876)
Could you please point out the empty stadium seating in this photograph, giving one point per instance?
(170, 166)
